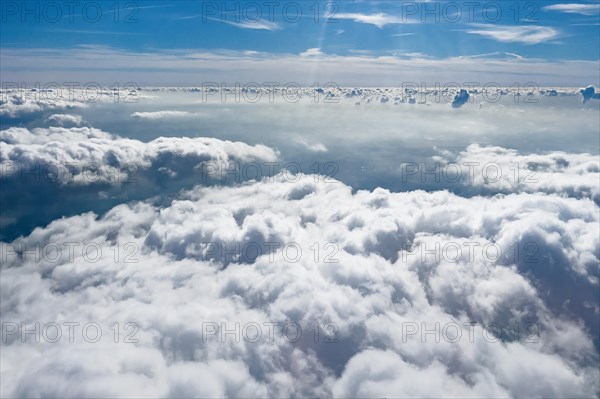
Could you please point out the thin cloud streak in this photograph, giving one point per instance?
(379, 19)
(257, 25)
(528, 34)
(574, 8)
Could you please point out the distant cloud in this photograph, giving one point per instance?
(69, 146)
(123, 169)
(528, 34)
(257, 25)
(403, 34)
(574, 8)
(411, 55)
(589, 93)
(159, 114)
(495, 54)
(65, 119)
(361, 52)
(379, 19)
(556, 172)
(460, 99)
(314, 147)
(16, 105)
(180, 67)
(311, 52)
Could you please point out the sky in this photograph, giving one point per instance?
(155, 41)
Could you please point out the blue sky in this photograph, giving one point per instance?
(426, 30)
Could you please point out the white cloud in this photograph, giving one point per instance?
(66, 119)
(377, 373)
(16, 105)
(311, 52)
(378, 19)
(529, 34)
(370, 294)
(87, 168)
(84, 146)
(589, 93)
(180, 67)
(159, 114)
(495, 54)
(575, 175)
(250, 24)
(574, 8)
(314, 147)
(460, 99)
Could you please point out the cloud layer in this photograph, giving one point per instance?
(501, 170)
(374, 284)
(87, 167)
(179, 67)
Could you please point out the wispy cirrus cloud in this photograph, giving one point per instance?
(257, 25)
(495, 55)
(379, 19)
(160, 114)
(574, 8)
(528, 34)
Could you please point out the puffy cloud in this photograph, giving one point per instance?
(87, 167)
(19, 102)
(373, 286)
(378, 271)
(501, 170)
(65, 119)
(85, 146)
(460, 99)
(17, 105)
(589, 93)
(377, 373)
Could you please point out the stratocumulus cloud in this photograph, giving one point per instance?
(589, 93)
(437, 281)
(460, 99)
(174, 290)
(62, 147)
(15, 105)
(351, 199)
(65, 119)
(88, 167)
(503, 170)
(352, 69)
